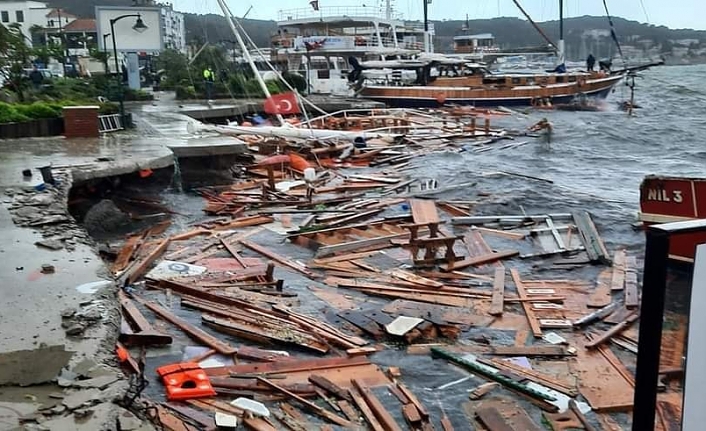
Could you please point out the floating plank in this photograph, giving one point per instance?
(363, 322)
(592, 242)
(386, 420)
(413, 278)
(330, 387)
(378, 243)
(140, 268)
(531, 351)
(367, 413)
(535, 376)
(632, 299)
(348, 409)
(497, 300)
(194, 332)
(446, 423)
(278, 258)
(527, 306)
(601, 294)
(333, 418)
(438, 314)
(411, 414)
(501, 233)
(514, 415)
(492, 419)
(479, 260)
(607, 335)
(618, 279)
(414, 400)
(481, 390)
(125, 253)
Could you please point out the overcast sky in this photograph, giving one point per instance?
(672, 13)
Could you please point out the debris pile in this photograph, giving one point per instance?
(290, 330)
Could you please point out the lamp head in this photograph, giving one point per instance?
(139, 26)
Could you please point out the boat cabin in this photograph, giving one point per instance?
(474, 43)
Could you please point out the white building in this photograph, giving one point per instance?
(26, 14)
(173, 30)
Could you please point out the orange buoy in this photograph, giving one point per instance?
(298, 162)
(185, 381)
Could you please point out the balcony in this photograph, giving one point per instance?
(334, 11)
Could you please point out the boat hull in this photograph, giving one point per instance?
(434, 97)
(672, 199)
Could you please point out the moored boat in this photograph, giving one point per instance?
(665, 199)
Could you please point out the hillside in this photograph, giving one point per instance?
(583, 34)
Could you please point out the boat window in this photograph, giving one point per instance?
(516, 81)
(559, 79)
(572, 78)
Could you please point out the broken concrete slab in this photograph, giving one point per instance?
(11, 413)
(101, 416)
(31, 367)
(128, 421)
(98, 382)
(81, 398)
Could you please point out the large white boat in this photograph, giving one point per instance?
(317, 42)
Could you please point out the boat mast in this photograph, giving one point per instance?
(388, 9)
(426, 25)
(246, 53)
(561, 52)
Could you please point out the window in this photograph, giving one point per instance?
(5, 16)
(20, 16)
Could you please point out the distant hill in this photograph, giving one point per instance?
(583, 34)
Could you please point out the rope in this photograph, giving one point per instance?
(647, 17)
(534, 24)
(612, 33)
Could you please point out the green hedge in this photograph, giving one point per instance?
(10, 114)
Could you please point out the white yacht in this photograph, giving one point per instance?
(317, 42)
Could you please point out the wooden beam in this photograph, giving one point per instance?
(367, 413)
(618, 279)
(278, 258)
(632, 299)
(386, 420)
(138, 271)
(311, 406)
(497, 300)
(413, 399)
(491, 419)
(607, 335)
(527, 306)
(479, 260)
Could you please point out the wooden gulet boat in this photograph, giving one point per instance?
(486, 90)
(672, 199)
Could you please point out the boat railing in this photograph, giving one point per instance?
(350, 11)
(345, 113)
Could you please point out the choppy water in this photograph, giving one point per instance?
(596, 162)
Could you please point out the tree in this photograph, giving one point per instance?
(14, 57)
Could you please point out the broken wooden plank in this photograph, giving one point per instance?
(529, 312)
(367, 413)
(616, 329)
(330, 387)
(618, 279)
(411, 414)
(535, 376)
(632, 299)
(532, 351)
(140, 268)
(501, 233)
(479, 260)
(413, 278)
(194, 332)
(573, 405)
(414, 400)
(386, 420)
(348, 409)
(125, 253)
(491, 418)
(446, 423)
(334, 418)
(278, 258)
(592, 242)
(481, 390)
(497, 300)
(601, 294)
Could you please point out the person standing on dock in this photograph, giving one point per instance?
(208, 78)
(590, 63)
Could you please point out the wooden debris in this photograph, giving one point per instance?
(479, 260)
(531, 351)
(536, 377)
(492, 419)
(125, 253)
(278, 258)
(413, 399)
(631, 295)
(333, 418)
(531, 318)
(479, 391)
(446, 423)
(618, 278)
(584, 421)
(386, 420)
(605, 336)
(590, 238)
(330, 387)
(497, 300)
(137, 271)
(601, 294)
(367, 412)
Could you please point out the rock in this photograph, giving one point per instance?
(48, 269)
(104, 217)
(58, 409)
(68, 312)
(98, 382)
(75, 329)
(51, 244)
(91, 315)
(81, 398)
(100, 419)
(82, 368)
(31, 367)
(57, 395)
(128, 421)
(83, 413)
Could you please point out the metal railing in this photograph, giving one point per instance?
(362, 11)
(109, 123)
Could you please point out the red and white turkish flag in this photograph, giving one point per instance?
(284, 103)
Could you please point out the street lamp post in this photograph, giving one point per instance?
(138, 27)
(105, 53)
